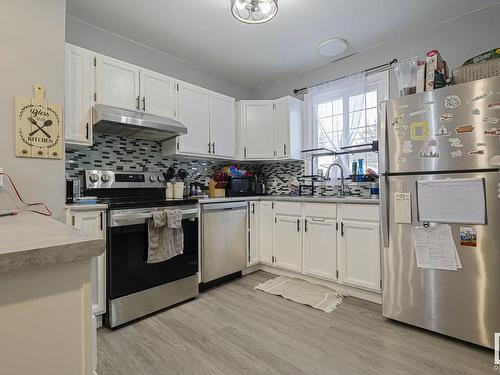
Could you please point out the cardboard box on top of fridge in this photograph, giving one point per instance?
(437, 70)
(420, 76)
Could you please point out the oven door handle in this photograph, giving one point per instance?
(186, 214)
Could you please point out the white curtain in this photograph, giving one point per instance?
(336, 109)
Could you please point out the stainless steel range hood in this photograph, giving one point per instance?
(111, 120)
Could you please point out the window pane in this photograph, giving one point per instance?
(356, 102)
(325, 109)
(371, 99)
(338, 107)
(371, 116)
(325, 124)
(338, 123)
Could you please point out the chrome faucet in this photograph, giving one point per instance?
(327, 177)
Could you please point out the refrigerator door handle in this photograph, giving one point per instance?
(382, 154)
(384, 209)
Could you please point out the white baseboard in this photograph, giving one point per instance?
(348, 290)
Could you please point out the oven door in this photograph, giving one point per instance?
(128, 270)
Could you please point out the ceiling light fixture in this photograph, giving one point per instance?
(254, 11)
(332, 47)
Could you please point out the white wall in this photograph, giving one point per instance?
(102, 41)
(457, 40)
(32, 45)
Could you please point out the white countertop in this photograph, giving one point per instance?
(291, 199)
(30, 240)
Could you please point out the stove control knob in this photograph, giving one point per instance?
(152, 179)
(105, 177)
(161, 178)
(94, 177)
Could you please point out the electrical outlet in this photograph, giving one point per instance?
(1, 177)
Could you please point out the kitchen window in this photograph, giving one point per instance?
(345, 113)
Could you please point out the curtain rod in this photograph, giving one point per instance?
(303, 90)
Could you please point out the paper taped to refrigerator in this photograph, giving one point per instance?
(402, 208)
(452, 201)
(435, 248)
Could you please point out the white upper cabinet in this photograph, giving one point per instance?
(78, 96)
(222, 126)
(257, 129)
(194, 113)
(158, 94)
(117, 83)
(269, 129)
(288, 128)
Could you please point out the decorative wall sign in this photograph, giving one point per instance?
(443, 132)
(490, 120)
(476, 112)
(446, 117)
(419, 131)
(452, 101)
(494, 132)
(456, 154)
(38, 126)
(464, 129)
(479, 97)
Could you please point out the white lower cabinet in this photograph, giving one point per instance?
(287, 247)
(266, 231)
(93, 223)
(334, 242)
(320, 247)
(254, 233)
(360, 254)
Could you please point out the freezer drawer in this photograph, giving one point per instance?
(455, 128)
(464, 304)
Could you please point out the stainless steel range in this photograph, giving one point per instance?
(136, 288)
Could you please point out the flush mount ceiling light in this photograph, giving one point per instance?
(332, 47)
(254, 11)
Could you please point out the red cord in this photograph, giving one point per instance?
(48, 213)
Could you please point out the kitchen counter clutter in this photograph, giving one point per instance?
(30, 239)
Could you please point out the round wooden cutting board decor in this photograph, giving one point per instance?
(38, 127)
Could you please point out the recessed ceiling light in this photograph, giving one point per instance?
(332, 47)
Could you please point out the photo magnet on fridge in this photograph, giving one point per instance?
(468, 236)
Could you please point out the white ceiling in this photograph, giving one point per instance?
(204, 33)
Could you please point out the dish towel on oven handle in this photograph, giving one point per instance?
(165, 235)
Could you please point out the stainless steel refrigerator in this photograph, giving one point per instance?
(449, 133)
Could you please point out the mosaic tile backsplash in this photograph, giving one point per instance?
(128, 154)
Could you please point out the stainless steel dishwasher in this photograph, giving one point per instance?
(223, 241)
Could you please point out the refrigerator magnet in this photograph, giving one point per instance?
(477, 152)
(402, 160)
(419, 112)
(419, 131)
(462, 129)
(476, 112)
(455, 142)
(456, 154)
(494, 106)
(479, 97)
(397, 120)
(428, 154)
(495, 132)
(443, 132)
(495, 160)
(452, 101)
(446, 117)
(407, 147)
(490, 120)
(468, 236)
(432, 143)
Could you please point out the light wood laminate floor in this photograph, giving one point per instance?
(234, 329)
